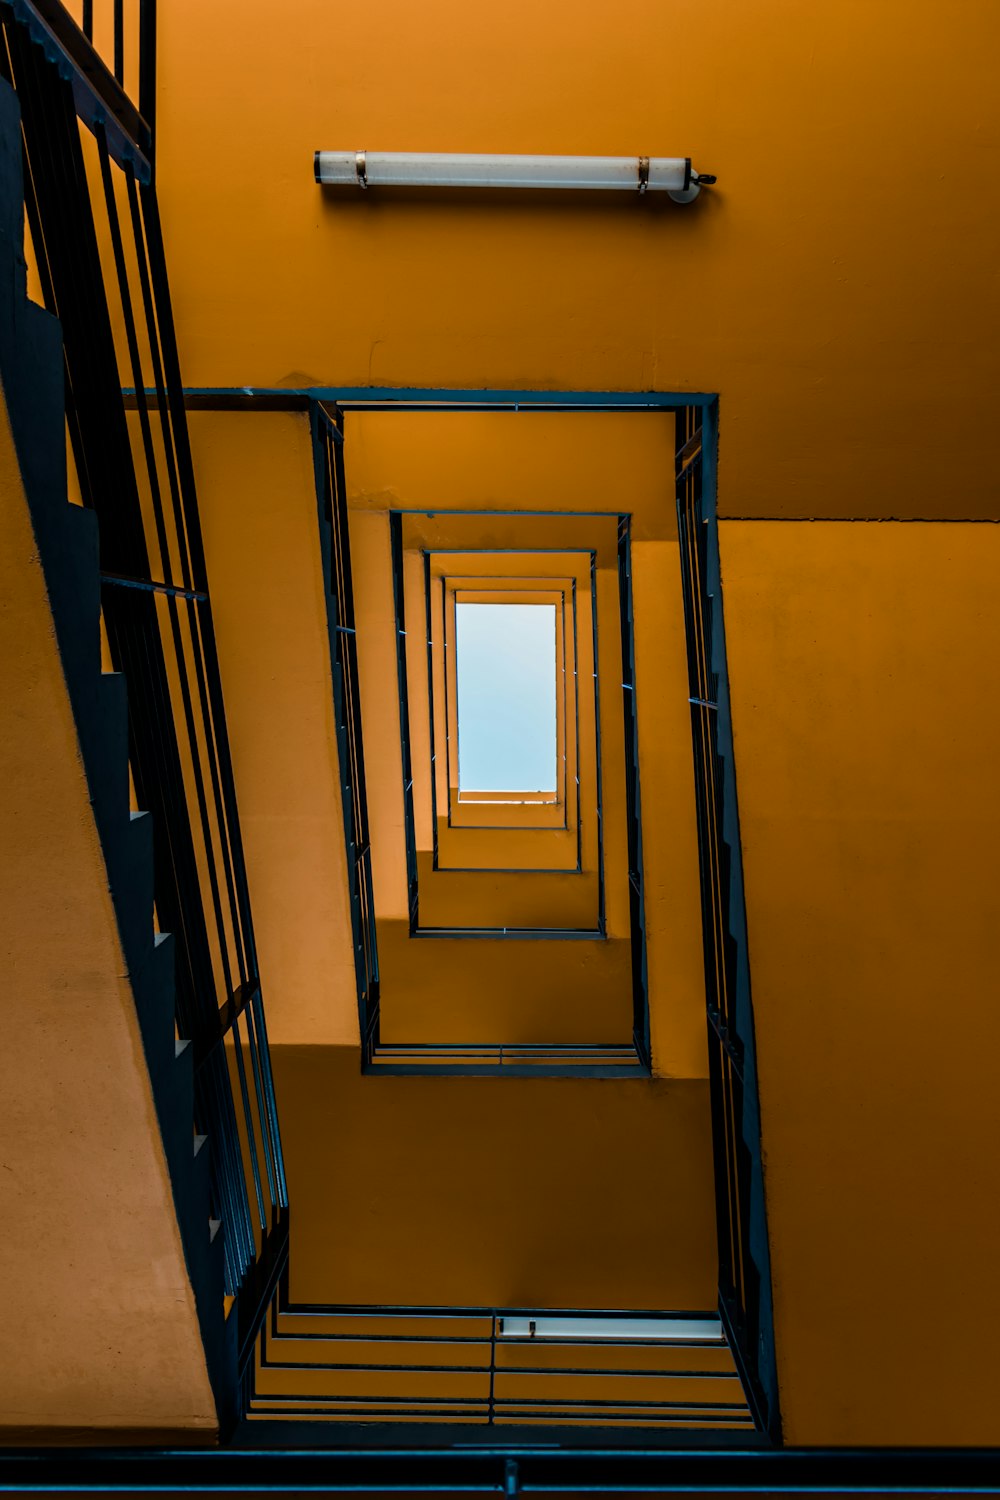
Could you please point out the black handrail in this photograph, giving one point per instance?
(99, 92)
(388, 1363)
(399, 607)
(636, 881)
(744, 1257)
(331, 492)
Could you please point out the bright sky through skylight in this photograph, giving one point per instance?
(506, 669)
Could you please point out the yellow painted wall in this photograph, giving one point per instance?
(100, 1333)
(258, 504)
(838, 290)
(865, 679)
(539, 1192)
(496, 1191)
(563, 464)
(837, 286)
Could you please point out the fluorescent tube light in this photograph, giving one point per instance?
(654, 174)
(662, 1330)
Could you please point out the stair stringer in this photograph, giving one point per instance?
(32, 376)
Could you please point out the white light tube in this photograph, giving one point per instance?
(663, 1330)
(655, 174)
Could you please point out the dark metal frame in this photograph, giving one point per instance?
(744, 1257)
(555, 1467)
(558, 1467)
(521, 934)
(161, 638)
(608, 1060)
(633, 810)
(472, 1337)
(331, 491)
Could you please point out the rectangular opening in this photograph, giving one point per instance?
(505, 661)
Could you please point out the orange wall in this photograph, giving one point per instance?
(865, 671)
(257, 496)
(258, 504)
(496, 1191)
(560, 463)
(540, 1192)
(837, 287)
(100, 1329)
(838, 290)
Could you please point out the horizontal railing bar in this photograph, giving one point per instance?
(552, 1403)
(571, 1059)
(509, 1070)
(329, 1367)
(510, 1404)
(428, 1310)
(485, 1339)
(325, 1367)
(688, 454)
(476, 1402)
(504, 1062)
(521, 1048)
(314, 1405)
(243, 996)
(669, 1416)
(520, 934)
(150, 586)
(388, 398)
(484, 1342)
(704, 1411)
(666, 1417)
(479, 1467)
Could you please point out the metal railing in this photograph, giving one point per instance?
(744, 1260)
(584, 1060)
(107, 54)
(494, 1367)
(125, 38)
(331, 491)
(97, 248)
(633, 812)
(557, 1059)
(409, 819)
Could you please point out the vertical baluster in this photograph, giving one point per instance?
(147, 70)
(119, 23)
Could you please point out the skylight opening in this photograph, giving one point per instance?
(506, 682)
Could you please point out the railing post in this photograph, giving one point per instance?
(147, 71)
(491, 1410)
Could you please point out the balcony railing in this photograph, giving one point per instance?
(331, 491)
(494, 1368)
(97, 251)
(744, 1259)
